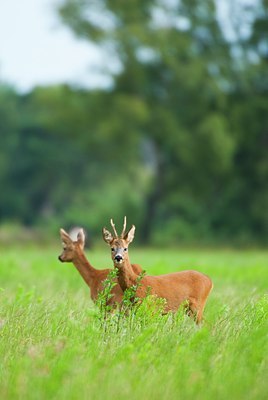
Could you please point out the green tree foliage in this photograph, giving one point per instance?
(179, 64)
(9, 138)
(178, 142)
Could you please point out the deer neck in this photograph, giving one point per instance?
(86, 270)
(126, 276)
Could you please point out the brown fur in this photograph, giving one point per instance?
(189, 286)
(73, 251)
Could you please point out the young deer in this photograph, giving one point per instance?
(190, 286)
(73, 251)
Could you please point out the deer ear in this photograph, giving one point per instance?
(81, 238)
(65, 237)
(130, 235)
(107, 236)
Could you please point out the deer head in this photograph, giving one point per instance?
(70, 247)
(118, 244)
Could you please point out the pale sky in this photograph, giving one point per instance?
(36, 49)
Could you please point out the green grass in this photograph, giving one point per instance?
(53, 344)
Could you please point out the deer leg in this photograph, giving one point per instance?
(195, 311)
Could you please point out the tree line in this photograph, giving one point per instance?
(177, 142)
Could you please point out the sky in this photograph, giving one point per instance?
(37, 49)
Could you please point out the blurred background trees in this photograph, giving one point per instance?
(178, 142)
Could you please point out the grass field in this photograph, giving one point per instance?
(54, 345)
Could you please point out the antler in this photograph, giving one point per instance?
(124, 227)
(115, 233)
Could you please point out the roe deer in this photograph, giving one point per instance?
(73, 251)
(191, 286)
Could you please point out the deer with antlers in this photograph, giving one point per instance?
(73, 251)
(184, 287)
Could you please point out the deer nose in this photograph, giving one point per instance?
(60, 258)
(118, 258)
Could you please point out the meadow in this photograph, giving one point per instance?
(54, 343)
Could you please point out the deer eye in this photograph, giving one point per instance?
(112, 248)
(125, 249)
